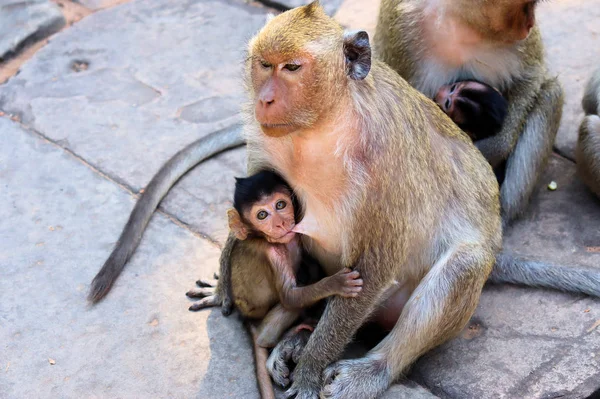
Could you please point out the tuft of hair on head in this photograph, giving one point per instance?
(249, 190)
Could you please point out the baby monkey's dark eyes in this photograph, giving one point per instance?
(265, 64)
(452, 88)
(280, 205)
(292, 67)
(262, 215)
(447, 104)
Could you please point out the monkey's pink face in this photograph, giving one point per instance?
(285, 92)
(274, 217)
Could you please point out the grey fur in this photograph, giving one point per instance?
(516, 270)
(591, 96)
(158, 187)
(528, 159)
(588, 143)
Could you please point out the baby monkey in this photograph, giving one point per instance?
(478, 109)
(264, 266)
(265, 212)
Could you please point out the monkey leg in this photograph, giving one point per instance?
(287, 351)
(438, 309)
(527, 161)
(274, 324)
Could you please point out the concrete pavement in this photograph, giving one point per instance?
(91, 117)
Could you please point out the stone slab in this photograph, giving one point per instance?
(58, 223)
(524, 342)
(26, 21)
(571, 34)
(127, 87)
(330, 6)
(99, 4)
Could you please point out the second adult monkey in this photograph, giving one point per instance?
(431, 43)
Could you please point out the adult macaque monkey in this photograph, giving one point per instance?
(435, 42)
(588, 145)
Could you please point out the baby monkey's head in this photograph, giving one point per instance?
(475, 107)
(263, 206)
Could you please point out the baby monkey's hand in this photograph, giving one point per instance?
(346, 283)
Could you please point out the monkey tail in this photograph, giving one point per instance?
(158, 187)
(265, 386)
(515, 270)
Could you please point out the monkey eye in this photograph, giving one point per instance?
(262, 215)
(280, 205)
(292, 67)
(265, 64)
(447, 104)
(452, 88)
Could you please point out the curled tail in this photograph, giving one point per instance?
(158, 187)
(515, 270)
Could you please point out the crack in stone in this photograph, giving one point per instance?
(126, 187)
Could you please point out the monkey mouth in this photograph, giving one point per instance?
(276, 129)
(287, 235)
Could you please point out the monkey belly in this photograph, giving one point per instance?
(388, 312)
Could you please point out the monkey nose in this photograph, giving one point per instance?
(265, 102)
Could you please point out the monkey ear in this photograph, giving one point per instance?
(358, 54)
(236, 225)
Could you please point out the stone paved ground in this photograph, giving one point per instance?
(91, 117)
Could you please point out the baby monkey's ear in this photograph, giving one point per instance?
(237, 225)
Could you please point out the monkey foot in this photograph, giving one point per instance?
(287, 351)
(362, 378)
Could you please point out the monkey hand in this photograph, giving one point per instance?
(346, 283)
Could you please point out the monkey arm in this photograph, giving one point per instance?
(528, 159)
(339, 323)
(497, 148)
(291, 296)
